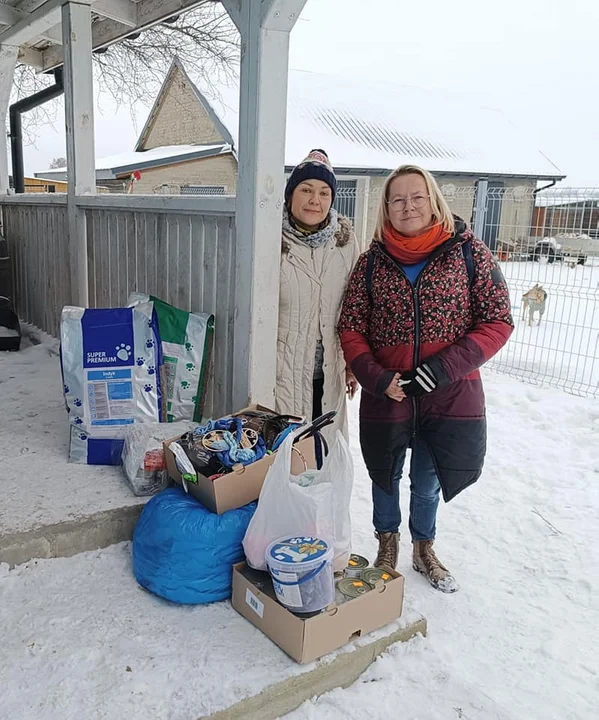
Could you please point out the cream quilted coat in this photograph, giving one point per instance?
(312, 286)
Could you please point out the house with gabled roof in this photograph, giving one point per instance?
(183, 148)
(188, 146)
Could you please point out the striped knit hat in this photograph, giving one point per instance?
(316, 166)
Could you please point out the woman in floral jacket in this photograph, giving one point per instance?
(425, 307)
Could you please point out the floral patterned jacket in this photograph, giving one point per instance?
(455, 325)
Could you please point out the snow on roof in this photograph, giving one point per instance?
(554, 197)
(133, 160)
(374, 126)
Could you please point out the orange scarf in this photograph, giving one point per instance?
(412, 250)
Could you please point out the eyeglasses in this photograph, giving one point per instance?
(400, 203)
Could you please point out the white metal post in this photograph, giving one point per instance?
(480, 207)
(8, 59)
(264, 28)
(79, 121)
(361, 222)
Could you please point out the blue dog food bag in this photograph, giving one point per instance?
(110, 361)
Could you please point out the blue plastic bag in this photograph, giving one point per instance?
(185, 553)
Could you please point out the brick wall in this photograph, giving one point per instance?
(220, 170)
(182, 119)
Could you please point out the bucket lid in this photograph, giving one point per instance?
(298, 549)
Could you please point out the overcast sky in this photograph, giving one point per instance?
(536, 60)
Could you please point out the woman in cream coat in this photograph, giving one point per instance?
(319, 251)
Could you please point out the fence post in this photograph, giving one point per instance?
(480, 207)
(79, 121)
(264, 28)
(8, 59)
(362, 193)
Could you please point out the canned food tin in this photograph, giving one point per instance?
(353, 587)
(373, 575)
(356, 564)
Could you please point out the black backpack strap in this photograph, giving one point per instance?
(368, 275)
(469, 260)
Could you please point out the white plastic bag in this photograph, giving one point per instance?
(143, 457)
(315, 503)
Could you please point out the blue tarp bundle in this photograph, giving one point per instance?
(185, 553)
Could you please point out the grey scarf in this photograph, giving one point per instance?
(316, 239)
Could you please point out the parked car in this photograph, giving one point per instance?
(569, 247)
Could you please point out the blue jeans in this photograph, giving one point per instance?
(424, 496)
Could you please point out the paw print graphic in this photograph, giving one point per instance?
(149, 343)
(191, 367)
(184, 384)
(123, 352)
(188, 346)
(140, 361)
(82, 436)
(194, 399)
(77, 402)
(78, 421)
(151, 370)
(67, 389)
(148, 388)
(150, 323)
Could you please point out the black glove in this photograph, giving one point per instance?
(422, 381)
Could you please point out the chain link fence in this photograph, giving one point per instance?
(547, 243)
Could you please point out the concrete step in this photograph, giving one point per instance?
(340, 670)
(67, 538)
(80, 633)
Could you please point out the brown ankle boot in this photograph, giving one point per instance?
(388, 549)
(426, 562)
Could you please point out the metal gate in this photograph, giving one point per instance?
(345, 200)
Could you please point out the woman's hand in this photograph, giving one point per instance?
(351, 384)
(395, 389)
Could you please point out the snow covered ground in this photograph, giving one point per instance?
(518, 641)
(38, 485)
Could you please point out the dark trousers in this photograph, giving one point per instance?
(317, 393)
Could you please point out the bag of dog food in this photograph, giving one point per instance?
(110, 362)
(186, 339)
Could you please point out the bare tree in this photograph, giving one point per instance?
(58, 163)
(132, 71)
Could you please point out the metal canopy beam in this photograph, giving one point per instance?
(264, 28)
(149, 12)
(33, 20)
(121, 11)
(33, 24)
(11, 16)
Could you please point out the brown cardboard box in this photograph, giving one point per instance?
(243, 484)
(308, 639)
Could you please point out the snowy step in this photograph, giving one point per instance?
(50, 507)
(80, 633)
(64, 539)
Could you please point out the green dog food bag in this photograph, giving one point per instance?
(186, 339)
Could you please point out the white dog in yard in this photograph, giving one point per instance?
(534, 301)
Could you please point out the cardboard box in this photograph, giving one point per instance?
(306, 640)
(243, 484)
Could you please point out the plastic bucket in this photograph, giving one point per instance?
(302, 573)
